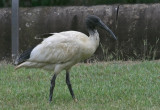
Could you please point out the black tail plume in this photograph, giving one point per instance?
(24, 56)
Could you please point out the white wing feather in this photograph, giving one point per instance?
(59, 48)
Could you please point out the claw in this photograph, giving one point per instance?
(75, 100)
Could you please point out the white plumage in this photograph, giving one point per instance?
(60, 51)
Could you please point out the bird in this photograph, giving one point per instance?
(60, 51)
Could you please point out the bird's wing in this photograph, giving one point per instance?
(26, 54)
(43, 36)
(55, 49)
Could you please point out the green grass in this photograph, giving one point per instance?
(98, 86)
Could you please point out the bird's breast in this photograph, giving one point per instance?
(88, 50)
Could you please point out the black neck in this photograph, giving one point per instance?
(90, 26)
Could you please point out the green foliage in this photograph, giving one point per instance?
(1, 3)
(98, 86)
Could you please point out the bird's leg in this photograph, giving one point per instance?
(70, 86)
(52, 87)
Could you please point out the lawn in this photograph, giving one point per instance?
(112, 85)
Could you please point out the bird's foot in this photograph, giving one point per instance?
(75, 100)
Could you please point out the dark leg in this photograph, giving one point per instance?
(70, 86)
(52, 87)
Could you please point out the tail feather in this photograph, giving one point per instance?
(24, 56)
(24, 64)
(19, 66)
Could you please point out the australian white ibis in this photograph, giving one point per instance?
(60, 51)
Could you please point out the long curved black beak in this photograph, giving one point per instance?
(102, 25)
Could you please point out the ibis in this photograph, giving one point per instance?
(60, 51)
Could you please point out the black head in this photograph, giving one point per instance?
(93, 21)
